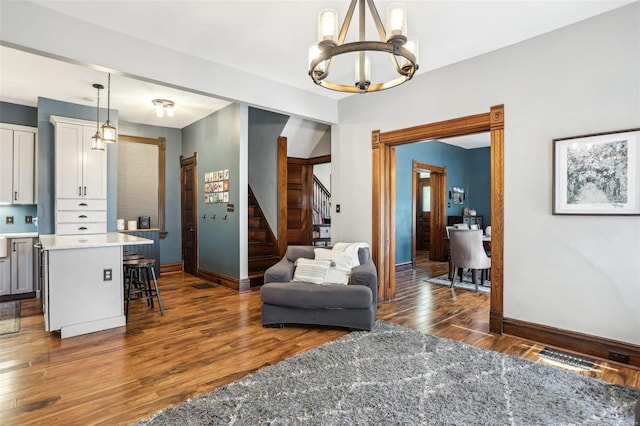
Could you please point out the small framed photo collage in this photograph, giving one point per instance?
(216, 187)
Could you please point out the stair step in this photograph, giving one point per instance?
(255, 222)
(260, 248)
(257, 235)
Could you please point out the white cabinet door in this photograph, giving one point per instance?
(94, 172)
(21, 265)
(23, 170)
(5, 276)
(6, 166)
(68, 160)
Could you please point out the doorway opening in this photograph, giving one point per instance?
(384, 197)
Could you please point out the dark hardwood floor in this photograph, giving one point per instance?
(208, 337)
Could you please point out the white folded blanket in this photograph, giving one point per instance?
(351, 250)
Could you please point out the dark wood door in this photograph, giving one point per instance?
(189, 171)
(423, 219)
(299, 178)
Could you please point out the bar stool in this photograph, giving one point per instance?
(140, 286)
(126, 256)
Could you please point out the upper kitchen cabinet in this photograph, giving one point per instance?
(80, 172)
(17, 159)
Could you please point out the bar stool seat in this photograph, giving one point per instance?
(138, 282)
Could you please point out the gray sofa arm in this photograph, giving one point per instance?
(367, 275)
(281, 272)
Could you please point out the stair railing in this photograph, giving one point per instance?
(321, 199)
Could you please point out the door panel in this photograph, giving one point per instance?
(299, 181)
(423, 220)
(189, 214)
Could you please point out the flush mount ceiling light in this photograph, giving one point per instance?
(108, 130)
(97, 144)
(162, 106)
(394, 42)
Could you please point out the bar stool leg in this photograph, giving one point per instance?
(155, 283)
(149, 290)
(128, 299)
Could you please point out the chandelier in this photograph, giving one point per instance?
(403, 51)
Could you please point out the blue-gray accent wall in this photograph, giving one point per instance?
(21, 115)
(216, 139)
(46, 160)
(171, 246)
(469, 169)
(265, 128)
(18, 114)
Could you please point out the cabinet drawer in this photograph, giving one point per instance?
(71, 204)
(81, 216)
(81, 228)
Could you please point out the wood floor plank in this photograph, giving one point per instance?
(207, 338)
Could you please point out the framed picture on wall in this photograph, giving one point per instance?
(597, 174)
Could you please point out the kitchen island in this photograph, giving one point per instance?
(82, 281)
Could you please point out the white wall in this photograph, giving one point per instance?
(574, 273)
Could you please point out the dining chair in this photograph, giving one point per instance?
(467, 251)
(487, 231)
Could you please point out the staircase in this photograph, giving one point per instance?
(263, 249)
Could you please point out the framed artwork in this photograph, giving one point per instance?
(457, 195)
(225, 185)
(225, 197)
(226, 174)
(597, 174)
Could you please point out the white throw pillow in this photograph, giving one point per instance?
(311, 271)
(340, 270)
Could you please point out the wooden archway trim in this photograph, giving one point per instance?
(384, 196)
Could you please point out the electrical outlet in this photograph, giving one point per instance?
(28, 219)
(107, 275)
(9, 220)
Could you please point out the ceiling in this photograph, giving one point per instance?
(266, 38)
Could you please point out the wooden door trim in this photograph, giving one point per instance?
(416, 168)
(161, 143)
(383, 162)
(193, 160)
(282, 195)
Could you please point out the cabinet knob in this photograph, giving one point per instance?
(83, 204)
(15, 196)
(82, 216)
(82, 228)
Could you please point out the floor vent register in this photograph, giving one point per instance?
(567, 358)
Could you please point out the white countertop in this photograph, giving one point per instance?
(20, 235)
(62, 242)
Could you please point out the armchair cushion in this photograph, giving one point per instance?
(311, 271)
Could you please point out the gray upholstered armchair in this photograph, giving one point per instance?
(352, 305)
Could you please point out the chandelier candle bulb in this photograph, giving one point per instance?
(397, 23)
(159, 110)
(363, 73)
(412, 46)
(327, 27)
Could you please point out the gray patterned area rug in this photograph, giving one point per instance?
(466, 283)
(394, 375)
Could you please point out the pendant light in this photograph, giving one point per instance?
(97, 144)
(108, 130)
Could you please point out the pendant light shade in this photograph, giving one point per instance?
(108, 130)
(97, 144)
